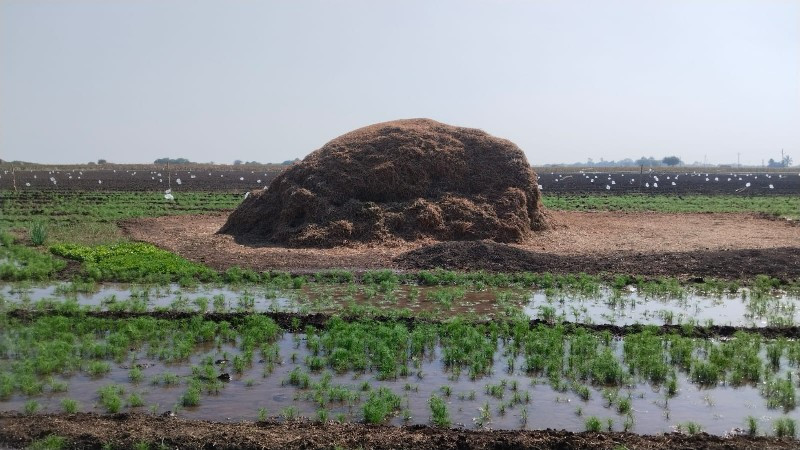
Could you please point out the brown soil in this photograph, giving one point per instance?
(719, 245)
(86, 430)
(401, 180)
(783, 262)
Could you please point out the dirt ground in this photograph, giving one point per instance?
(719, 245)
(86, 430)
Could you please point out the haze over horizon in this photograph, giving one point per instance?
(130, 81)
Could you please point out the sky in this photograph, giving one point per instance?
(134, 80)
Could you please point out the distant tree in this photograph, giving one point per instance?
(101, 161)
(787, 161)
(91, 163)
(773, 163)
(238, 162)
(647, 161)
(172, 161)
(671, 160)
(290, 162)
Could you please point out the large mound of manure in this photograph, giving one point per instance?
(394, 181)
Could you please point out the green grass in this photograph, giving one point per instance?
(132, 261)
(18, 262)
(784, 206)
(89, 217)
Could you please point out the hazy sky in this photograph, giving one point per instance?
(131, 81)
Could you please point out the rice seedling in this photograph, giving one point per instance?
(705, 373)
(110, 397)
(38, 233)
(785, 427)
(290, 413)
(135, 374)
(780, 393)
(70, 406)
(692, 428)
(51, 442)
(593, 424)
(440, 417)
(752, 426)
(191, 397)
(583, 391)
(262, 414)
(31, 407)
(380, 404)
(627, 425)
(58, 386)
(135, 400)
(98, 368)
(624, 405)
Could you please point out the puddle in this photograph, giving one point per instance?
(742, 309)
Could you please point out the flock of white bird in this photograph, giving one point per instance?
(651, 180)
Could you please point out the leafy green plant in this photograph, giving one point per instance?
(132, 261)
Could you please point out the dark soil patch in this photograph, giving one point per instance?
(403, 180)
(86, 430)
(782, 262)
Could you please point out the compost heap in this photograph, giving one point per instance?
(395, 181)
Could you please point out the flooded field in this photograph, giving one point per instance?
(740, 308)
(496, 376)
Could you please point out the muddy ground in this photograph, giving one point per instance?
(86, 430)
(730, 246)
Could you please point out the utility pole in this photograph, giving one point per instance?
(783, 161)
(738, 160)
